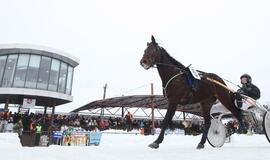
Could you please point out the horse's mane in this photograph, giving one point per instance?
(174, 61)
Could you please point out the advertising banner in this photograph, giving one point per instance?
(58, 134)
(76, 139)
(95, 138)
(29, 103)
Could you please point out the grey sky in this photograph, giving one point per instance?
(228, 37)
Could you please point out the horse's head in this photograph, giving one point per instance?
(152, 54)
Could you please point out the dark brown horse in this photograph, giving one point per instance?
(177, 89)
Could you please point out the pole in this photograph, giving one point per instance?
(45, 111)
(123, 112)
(104, 96)
(52, 119)
(105, 88)
(152, 106)
(52, 115)
(6, 105)
(44, 114)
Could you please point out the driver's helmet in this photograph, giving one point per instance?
(249, 79)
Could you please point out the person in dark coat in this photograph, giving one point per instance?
(128, 119)
(248, 89)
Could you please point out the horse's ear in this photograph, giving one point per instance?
(153, 39)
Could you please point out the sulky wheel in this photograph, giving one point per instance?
(217, 133)
(266, 125)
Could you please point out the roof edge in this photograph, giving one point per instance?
(75, 60)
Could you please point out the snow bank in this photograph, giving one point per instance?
(134, 147)
(9, 140)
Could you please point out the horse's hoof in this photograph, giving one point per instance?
(153, 145)
(200, 146)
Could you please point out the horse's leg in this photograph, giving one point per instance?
(167, 119)
(238, 115)
(226, 98)
(205, 107)
(229, 104)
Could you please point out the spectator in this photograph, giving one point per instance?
(2, 125)
(18, 127)
(9, 126)
(142, 127)
(101, 125)
(128, 120)
(38, 130)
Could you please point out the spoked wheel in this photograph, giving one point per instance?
(217, 133)
(266, 125)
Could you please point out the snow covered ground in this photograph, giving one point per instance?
(134, 147)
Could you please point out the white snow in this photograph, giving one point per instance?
(134, 147)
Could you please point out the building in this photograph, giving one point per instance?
(42, 74)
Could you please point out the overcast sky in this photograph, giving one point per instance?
(226, 37)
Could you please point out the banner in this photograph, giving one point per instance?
(73, 137)
(76, 139)
(29, 103)
(57, 134)
(95, 138)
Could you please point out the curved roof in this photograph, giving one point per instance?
(43, 97)
(139, 101)
(40, 50)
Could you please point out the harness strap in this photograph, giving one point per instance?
(169, 81)
(220, 84)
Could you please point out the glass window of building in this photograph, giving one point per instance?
(62, 78)
(2, 67)
(32, 73)
(54, 73)
(44, 72)
(69, 80)
(9, 70)
(21, 69)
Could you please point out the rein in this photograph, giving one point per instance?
(169, 81)
(182, 71)
(169, 65)
(220, 84)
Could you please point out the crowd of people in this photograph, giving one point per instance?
(30, 122)
(39, 124)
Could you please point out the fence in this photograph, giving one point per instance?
(77, 138)
(31, 139)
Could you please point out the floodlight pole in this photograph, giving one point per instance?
(152, 106)
(104, 96)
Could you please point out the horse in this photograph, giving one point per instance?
(176, 87)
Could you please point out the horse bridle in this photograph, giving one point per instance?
(181, 72)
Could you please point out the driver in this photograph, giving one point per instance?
(248, 89)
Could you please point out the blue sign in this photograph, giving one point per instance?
(95, 138)
(57, 134)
